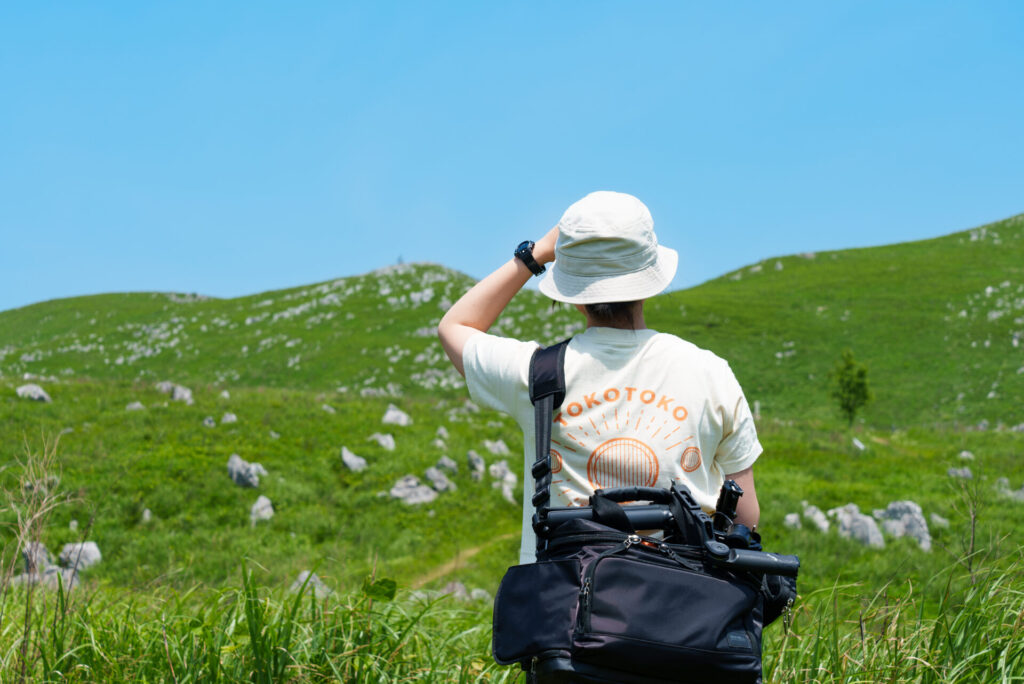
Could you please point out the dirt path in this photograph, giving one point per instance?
(461, 557)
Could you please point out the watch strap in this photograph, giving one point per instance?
(524, 252)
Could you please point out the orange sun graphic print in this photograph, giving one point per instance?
(691, 459)
(622, 462)
(614, 443)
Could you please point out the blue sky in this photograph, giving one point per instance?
(229, 148)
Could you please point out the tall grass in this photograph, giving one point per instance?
(976, 635)
(249, 634)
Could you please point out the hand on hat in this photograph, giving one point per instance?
(544, 249)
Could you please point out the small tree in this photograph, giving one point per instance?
(850, 385)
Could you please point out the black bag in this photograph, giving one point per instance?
(604, 604)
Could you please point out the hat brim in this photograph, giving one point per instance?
(624, 287)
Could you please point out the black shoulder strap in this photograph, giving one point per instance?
(547, 391)
(547, 373)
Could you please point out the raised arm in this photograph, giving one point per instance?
(478, 309)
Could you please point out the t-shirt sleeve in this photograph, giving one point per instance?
(739, 447)
(497, 370)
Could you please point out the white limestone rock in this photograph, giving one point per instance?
(814, 514)
(396, 416)
(497, 447)
(356, 464)
(504, 479)
(80, 555)
(1003, 487)
(327, 408)
(228, 418)
(966, 455)
(243, 473)
(177, 392)
(442, 432)
(182, 394)
(853, 524)
(37, 557)
(439, 481)
(135, 406)
(49, 579)
(905, 519)
(386, 441)
(477, 466)
(448, 463)
(792, 521)
(33, 392)
(409, 490)
(263, 509)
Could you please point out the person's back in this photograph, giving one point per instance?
(642, 408)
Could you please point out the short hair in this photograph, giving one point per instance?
(618, 313)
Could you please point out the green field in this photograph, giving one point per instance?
(940, 324)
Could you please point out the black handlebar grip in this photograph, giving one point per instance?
(754, 561)
(768, 563)
(641, 517)
(620, 494)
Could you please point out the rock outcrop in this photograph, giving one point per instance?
(33, 392)
(356, 464)
(243, 473)
(396, 416)
(905, 519)
(263, 509)
(80, 555)
(409, 490)
(853, 524)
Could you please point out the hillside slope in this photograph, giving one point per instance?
(940, 323)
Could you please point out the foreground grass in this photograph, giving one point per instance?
(974, 636)
(244, 634)
(247, 633)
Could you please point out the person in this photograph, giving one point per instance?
(642, 408)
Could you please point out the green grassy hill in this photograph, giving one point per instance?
(312, 369)
(939, 322)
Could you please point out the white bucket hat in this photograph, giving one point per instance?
(607, 252)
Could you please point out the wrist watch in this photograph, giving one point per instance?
(524, 252)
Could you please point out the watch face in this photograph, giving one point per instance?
(524, 252)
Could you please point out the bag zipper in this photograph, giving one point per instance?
(586, 595)
(691, 552)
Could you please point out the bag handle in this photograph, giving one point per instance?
(623, 494)
(606, 508)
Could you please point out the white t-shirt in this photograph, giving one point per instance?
(642, 408)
